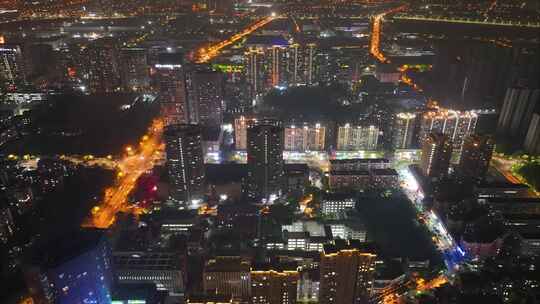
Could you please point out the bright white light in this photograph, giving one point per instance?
(273, 14)
(168, 66)
(223, 197)
(196, 203)
(272, 198)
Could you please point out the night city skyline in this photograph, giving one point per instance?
(270, 151)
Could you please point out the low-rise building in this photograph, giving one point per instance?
(333, 203)
(164, 269)
(274, 283)
(229, 276)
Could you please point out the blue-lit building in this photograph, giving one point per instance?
(75, 269)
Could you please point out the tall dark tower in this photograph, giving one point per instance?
(476, 155)
(172, 89)
(265, 159)
(185, 163)
(436, 154)
(103, 66)
(206, 98)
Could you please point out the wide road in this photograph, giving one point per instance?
(376, 32)
(453, 255)
(205, 54)
(136, 162)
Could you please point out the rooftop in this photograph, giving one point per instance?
(384, 172)
(227, 264)
(340, 245)
(359, 160)
(147, 260)
(349, 172)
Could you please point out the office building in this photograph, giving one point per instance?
(475, 157)
(228, 276)
(306, 137)
(384, 179)
(73, 269)
(205, 94)
(164, 269)
(172, 89)
(436, 154)
(403, 130)
(274, 284)
(265, 159)
(359, 164)
(347, 269)
(134, 69)
(11, 64)
(455, 125)
(185, 163)
(102, 67)
(349, 180)
(517, 111)
(333, 203)
(532, 140)
(357, 137)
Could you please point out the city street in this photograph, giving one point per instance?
(453, 255)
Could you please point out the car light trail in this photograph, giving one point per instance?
(375, 47)
(203, 55)
(131, 167)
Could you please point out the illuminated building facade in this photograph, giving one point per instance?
(359, 164)
(455, 125)
(356, 179)
(347, 270)
(265, 159)
(102, 67)
(350, 138)
(134, 69)
(333, 203)
(436, 154)
(185, 162)
(273, 62)
(301, 63)
(276, 56)
(274, 285)
(240, 131)
(228, 276)
(172, 89)
(254, 59)
(305, 137)
(206, 98)
(74, 269)
(403, 130)
(11, 64)
(476, 155)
